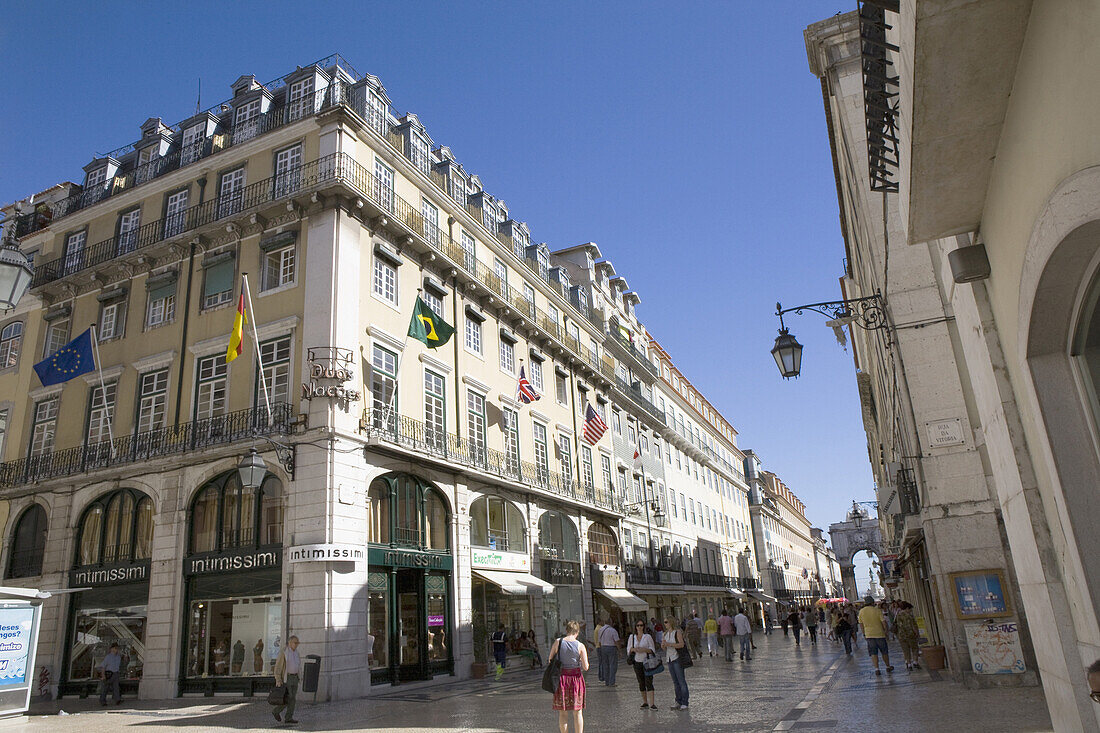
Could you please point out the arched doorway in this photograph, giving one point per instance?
(409, 590)
(113, 544)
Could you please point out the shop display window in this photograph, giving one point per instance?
(438, 640)
(106, 616)
(234, 628)
(378, 621)
(497, 607)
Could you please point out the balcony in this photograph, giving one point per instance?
(635, 393)
(628, 349)
(403, 432)
(141, 447)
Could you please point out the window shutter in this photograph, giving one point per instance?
(162, 291)
(219, 278)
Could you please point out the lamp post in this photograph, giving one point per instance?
(857, 515)
(868, 313)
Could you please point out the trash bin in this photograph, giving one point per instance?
(311, 672)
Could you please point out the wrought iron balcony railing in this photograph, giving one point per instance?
(635, 393)
(405, 432)
(140, 447)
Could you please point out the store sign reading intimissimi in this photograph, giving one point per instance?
(230, 563)
(96, 577)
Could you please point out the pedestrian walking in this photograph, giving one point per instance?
(743, 627)
(811, 626)
(725, 630)
(794, 619)
(599, 651)
(658, 631)
(694, 632)
(499, 640)
(569, 698)
(673, 644)
(905, 629)
(710, 628)
(288, 670)
(874, 632)
(110, 675)
(853, 621)
(608, 640)
(844, 631)
(783, 621)
(767, 623)
(639, 647)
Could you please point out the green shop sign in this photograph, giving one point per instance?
(401, 558)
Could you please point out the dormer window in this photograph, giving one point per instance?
(488, 214)
(96, 178)
(376, 112)
(191, 144)
(300, 99)
(246, 121)
(418, 152)
(458, 188)
(147, 154)
(543, 259)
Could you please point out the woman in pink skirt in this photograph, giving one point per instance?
(574, 663)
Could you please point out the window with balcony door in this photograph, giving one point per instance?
(469, 253)
(475, 424)
(11, 339)
(300, 99)
(565, 453)
(497, 524)
(430, 213)
(101, 413)
(435, 411)
(406, 511)
(542, 454)
(175, 213)
(509, 424)
(383, 388)
(152, 400)
(288, 170)
(383, 185)
(246, 121)
(211, 382)
(231, 192)
(275, 356)
(128, 224)
(74, 251)
(191, 144)
(227, 516)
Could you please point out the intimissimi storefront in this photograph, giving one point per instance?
(114, 539)
(233, 603)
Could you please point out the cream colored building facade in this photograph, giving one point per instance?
(411, 501)
(994, 190)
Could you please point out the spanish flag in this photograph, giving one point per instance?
(236, 336)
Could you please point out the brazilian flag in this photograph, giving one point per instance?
(427, 327)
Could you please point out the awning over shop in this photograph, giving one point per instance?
(517, 584)
(624, 599)
(736, 593)
(761, 596)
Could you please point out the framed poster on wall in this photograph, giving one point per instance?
(980, 594)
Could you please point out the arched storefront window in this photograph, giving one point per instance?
(497, 524)
(116, 528)
(113, 546)
(558, 537)
(407, 511)
(227, 516)
(603, 549)
(28, 543)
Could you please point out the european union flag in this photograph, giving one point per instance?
(71, 360)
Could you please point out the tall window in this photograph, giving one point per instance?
(430, 213)
(469, 255)
(152, 400)
(28, 543)
(275, 355)
(561, 384)
(603, 549)
(175, 212)
(128, 224)
(101, 412)
(191, 144)
(433, 301)
(558, 537)
(11, 338)
(509, 423)
(435, 403)
(473, 335)
(418, 151)
(616, 422)
(226, 515)
(383, 185)
(501, 271)
(57, 335)
(218, 283)
(542, 454)
(586, 466)
(74, 251)
(45, 426)
(299, 99)
(112, 319)
(565, 446)
(507, 356)
(529, 296)
(161, 306)
(231, 192)
(116, 528)
(384, 283)
(536, 375)
(475, 424)
(383, 387)
(278, 267)
(605, 466)
(246, 121)
(407, 511)
(497, 524)
(210, 387)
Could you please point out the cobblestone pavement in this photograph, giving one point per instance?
(783, 688)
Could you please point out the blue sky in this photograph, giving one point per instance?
(688, 140)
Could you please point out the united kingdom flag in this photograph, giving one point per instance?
(525, 393)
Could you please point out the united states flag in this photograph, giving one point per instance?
(594, 426)
(525, 393)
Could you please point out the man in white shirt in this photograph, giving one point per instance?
(743, 628)
(608, 641)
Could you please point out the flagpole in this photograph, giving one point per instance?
(645, 499)
(256, 341)
(103, 388)
(397, 373)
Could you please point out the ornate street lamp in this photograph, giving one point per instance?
(16, 271)
(252, 470)
(857, 515)
(868, 313)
